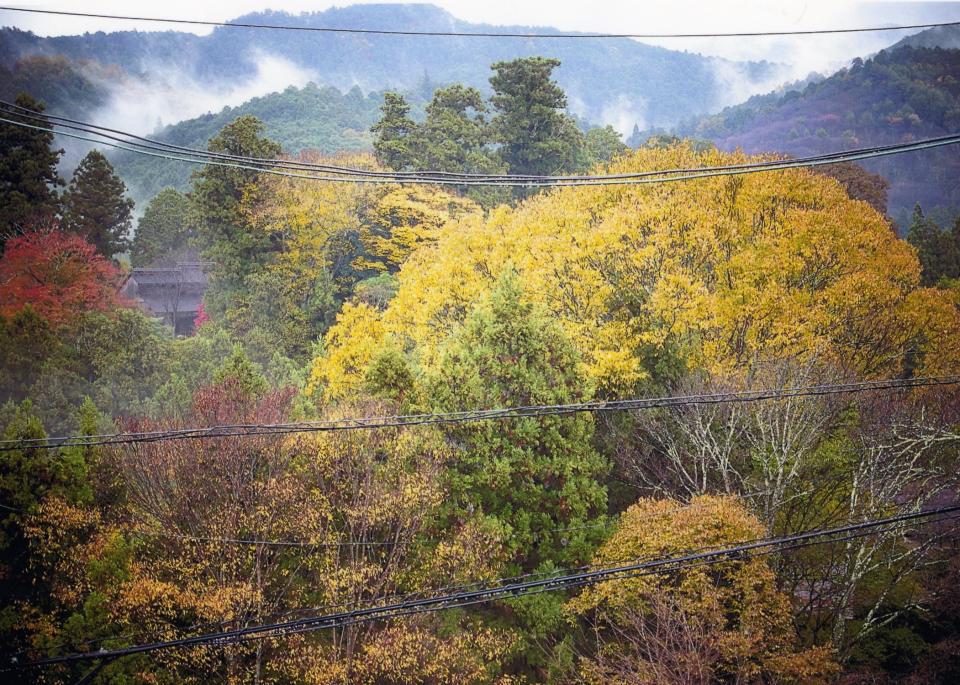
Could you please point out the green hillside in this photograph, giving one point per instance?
(314, 117)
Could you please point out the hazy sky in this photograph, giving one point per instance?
(594, 15)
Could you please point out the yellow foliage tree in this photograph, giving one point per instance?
(310, 218)
(720, 270)
(403, 219)
(709, 623)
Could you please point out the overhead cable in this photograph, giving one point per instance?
(421, 178)
(397, 175)
(470, 416)
(480, 34)
(483, 595)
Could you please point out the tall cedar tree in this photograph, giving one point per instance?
(236, 248)
(164, 230)
(535, 474)
(536, 136)
(455, 132)
(394, 132)
(95, 207)
(28, 174)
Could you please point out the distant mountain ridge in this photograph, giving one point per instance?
(938, 37)
(618, 81)
(897, 96)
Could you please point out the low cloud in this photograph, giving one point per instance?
(624, 113)
(169, 95)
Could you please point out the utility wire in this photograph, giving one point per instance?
(14, 657)
(427, 178)
(527, 411)
(250, 542)
(437, 603)
(396, 176)
(480, 34)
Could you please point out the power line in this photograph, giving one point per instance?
(446, 418)
(481, 34)
(569, 581)
(433, 176)
(252, 542)
(642, 178)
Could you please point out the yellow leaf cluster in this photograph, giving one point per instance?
(722, 269)
(744, 618)
(351, 343)
(404, 219)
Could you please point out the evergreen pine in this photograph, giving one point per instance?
(395, 131)
(225, 234)
(95, 205)
(28, 173)
(535, 134)
(536, 474)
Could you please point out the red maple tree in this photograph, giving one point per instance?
(59, 274)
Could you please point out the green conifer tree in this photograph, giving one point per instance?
(535, 134)
(224, 232)
(165, 228)
(937, 249)
(536, 474)
(95, 205)
(394, 145)
(28, 173)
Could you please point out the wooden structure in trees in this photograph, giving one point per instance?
(173, 294)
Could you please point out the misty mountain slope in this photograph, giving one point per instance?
(60, 83)
(897, 96)
(313, 117)
(937, 37)
(621, 82)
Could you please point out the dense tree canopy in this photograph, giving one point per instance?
(28, 174)
(727, 269)
(94, 205)
(164, 231)
(398, 302)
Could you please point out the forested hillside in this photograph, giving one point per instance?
(313, 117)
(607, 80)
(444, 385)
(898, 95)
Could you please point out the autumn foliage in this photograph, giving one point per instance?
(713, 623)
(717, 271)
(59, 274)
(328, 302)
